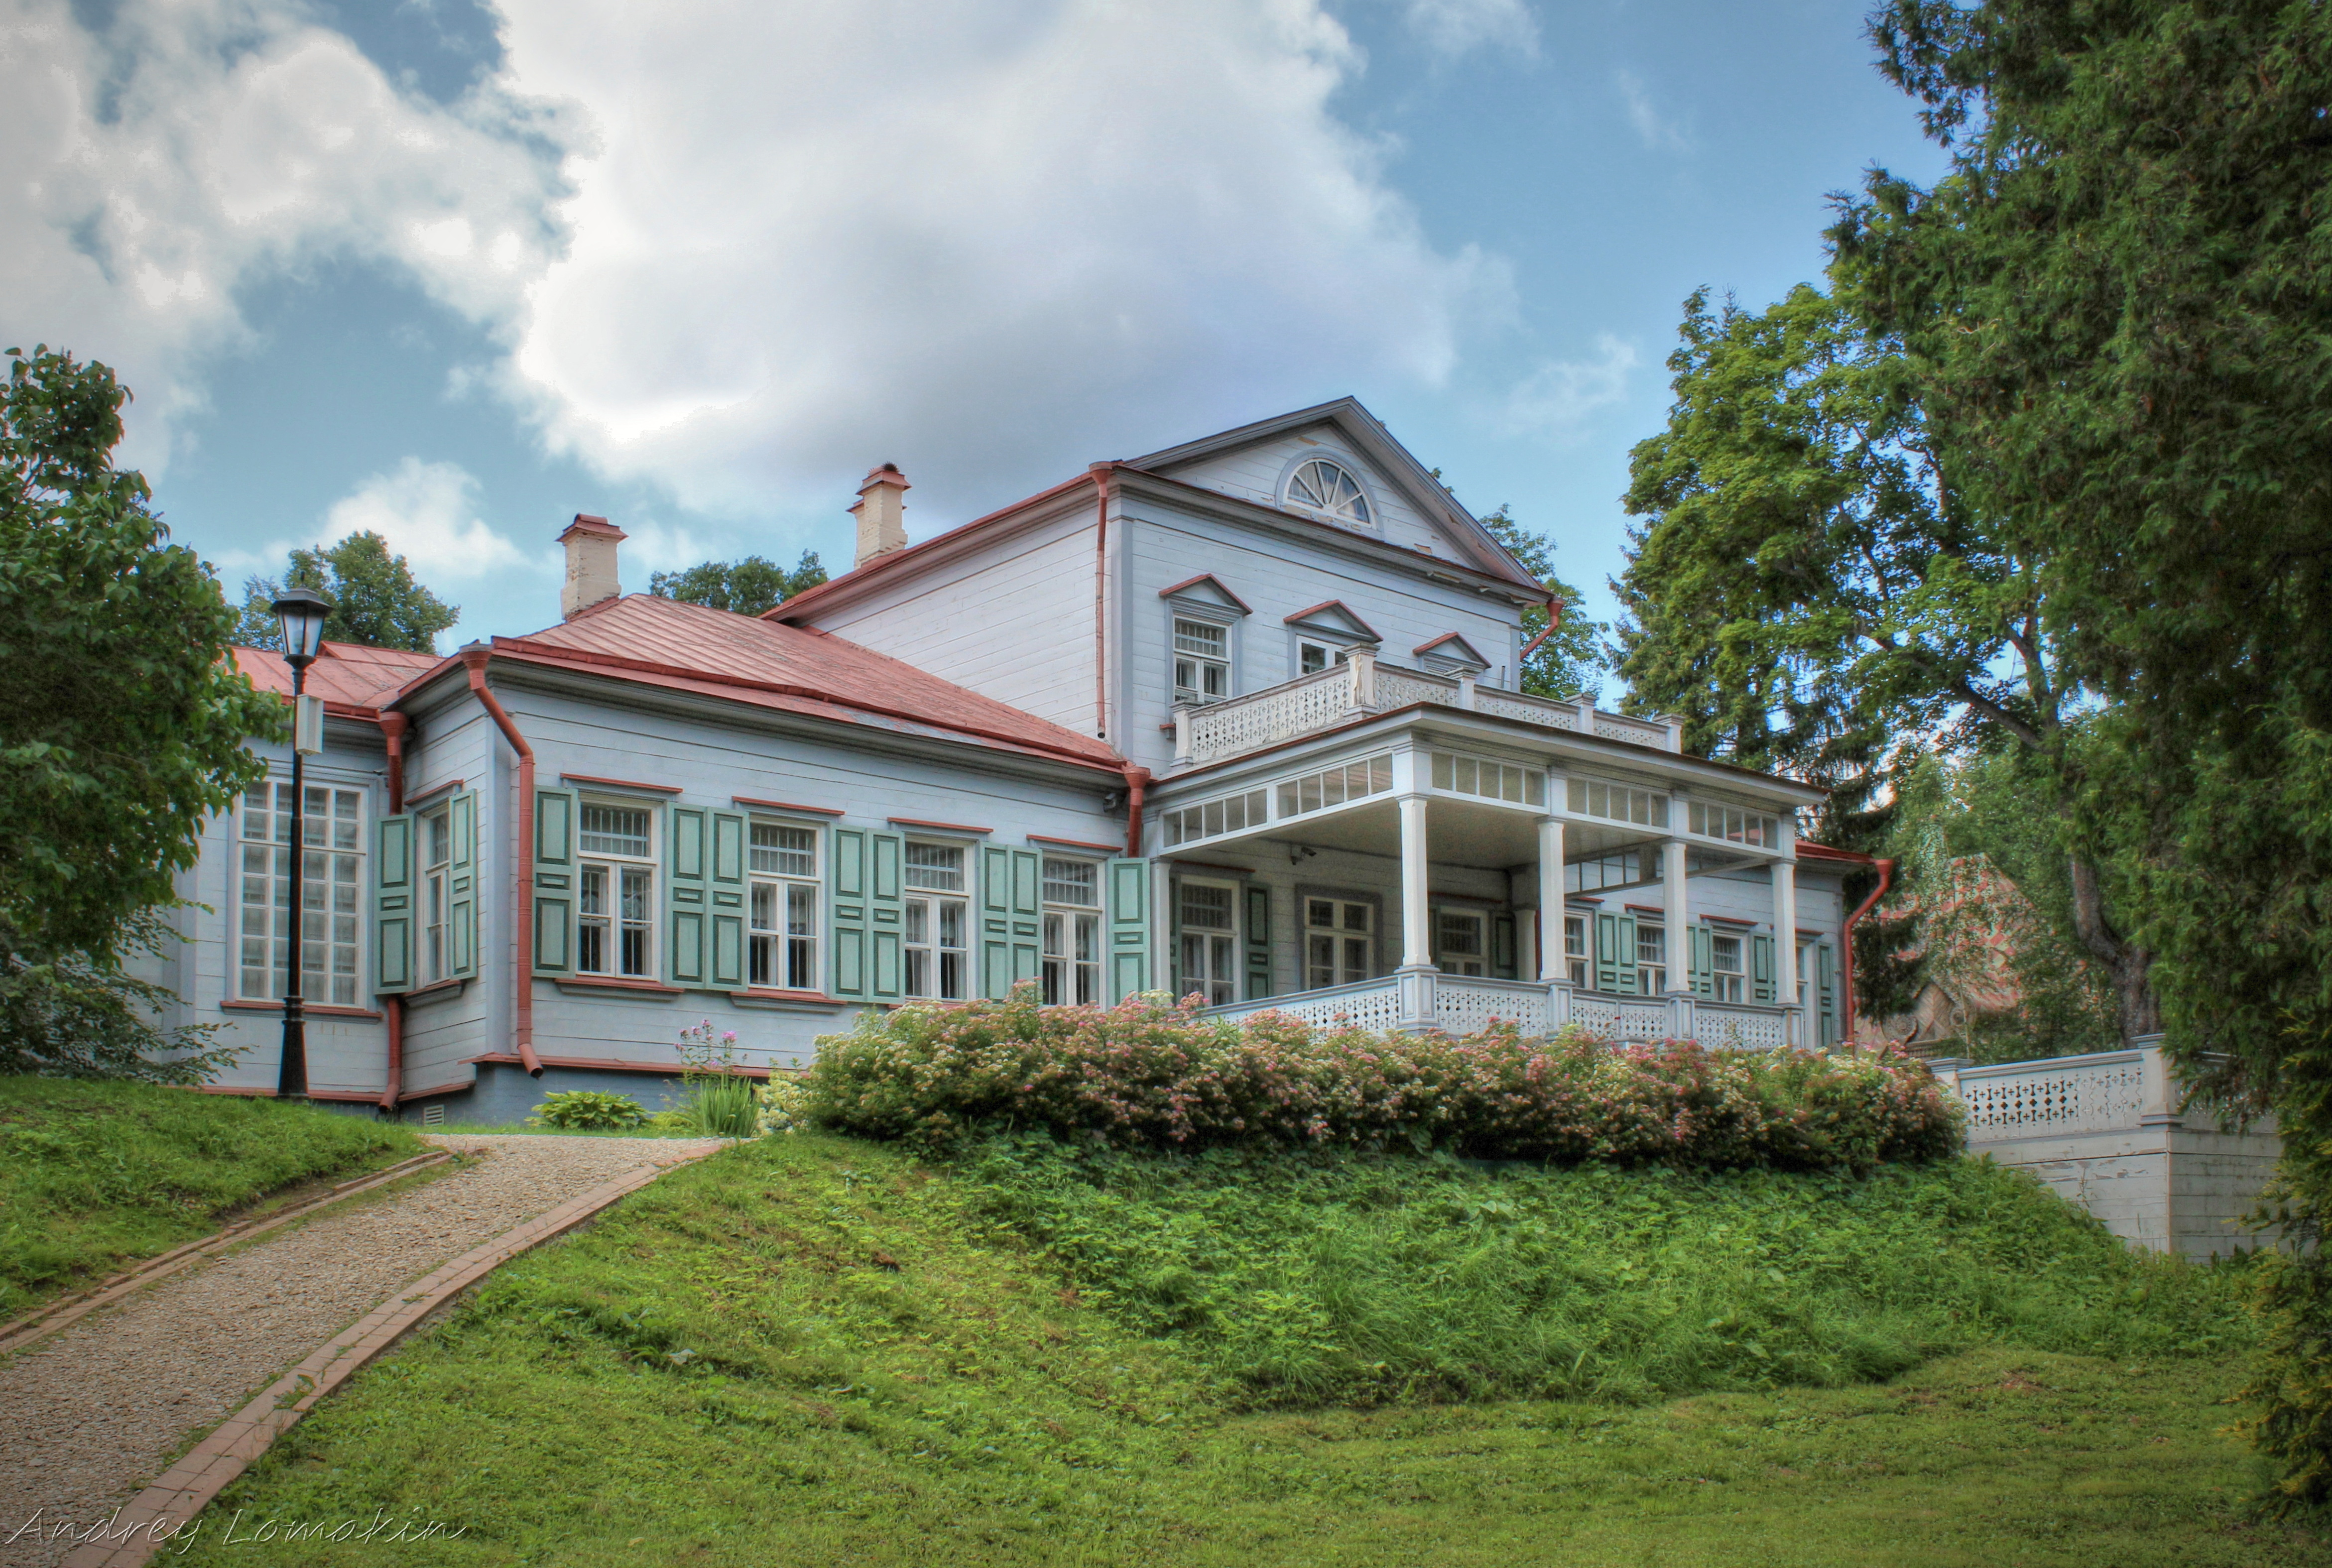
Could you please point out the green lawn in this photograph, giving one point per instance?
(819, 1350)
(94, 1175)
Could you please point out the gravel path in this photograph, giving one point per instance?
(90, 1414)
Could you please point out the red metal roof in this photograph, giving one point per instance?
(347, 675)
(680, 647)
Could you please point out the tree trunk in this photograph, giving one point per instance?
(2138, 1012)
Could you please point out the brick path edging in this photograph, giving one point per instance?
(44, 1321)
(145, 1523)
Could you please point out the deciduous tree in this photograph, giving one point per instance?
(374, 599)
(750, 587)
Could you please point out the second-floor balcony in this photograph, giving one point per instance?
(1363, 688)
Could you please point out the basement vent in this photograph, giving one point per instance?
(433, 1115)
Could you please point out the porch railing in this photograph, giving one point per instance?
(1361, 686)
(1467, 1004)
(2109, 1091)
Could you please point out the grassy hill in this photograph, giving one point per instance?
(818, 1350)
(95, 1175)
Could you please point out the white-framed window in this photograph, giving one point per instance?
(1332, 490)
(1339, 941)
(1209, 915)
(1311, 657)
(1072, 930)
(332, 885)
(1651, 958)
(938, 922)
(615, 901)
(1202, 660)
(1461, 941)
(1728, 966)
(1575, 956)
(437, 869)
(783, 931)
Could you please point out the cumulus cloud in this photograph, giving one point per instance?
(1458, 27)
(1555, 400)
(428, 514)
(1658, 132)
(160, 162)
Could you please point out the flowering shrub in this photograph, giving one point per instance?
(779, 1107)
(1149, 1074)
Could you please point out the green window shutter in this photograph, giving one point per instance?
(1258, 941)
(995, 922)
(1704, 961)
(461, 886)
(848, 920)
(1761, 970)
(727, 959)
(885, 917)
(393, 911)
(1129, 927)
(1606, 951)
(1630, 975)
(1826, 982)
(554, 881)
(1502, 946)
(1028, 915)
(685, 895)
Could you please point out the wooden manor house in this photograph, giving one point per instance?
(1241, 718)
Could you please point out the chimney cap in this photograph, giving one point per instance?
(888, 473)
(585, 523)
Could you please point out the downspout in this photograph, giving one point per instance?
(1554, 608)
(1100, 596)
(1846, 941)
(1136, 780)
(474, 658)
(392, 729)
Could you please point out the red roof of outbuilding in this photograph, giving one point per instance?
(347, 675)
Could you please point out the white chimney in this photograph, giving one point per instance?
(590, 544)
(882, 513)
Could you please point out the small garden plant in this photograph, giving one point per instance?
(720, 1099)
(587, 1111)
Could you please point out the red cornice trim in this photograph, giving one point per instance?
(433, 790)
(1073, 843)
(936, 827)
(765, 994)
(312, 1009)
(613, 983)
(619, 783)
(785, 806)
(609, 1064)
(1206, 576)
(456, 1088)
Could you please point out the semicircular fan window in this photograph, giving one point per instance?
(1324, 487)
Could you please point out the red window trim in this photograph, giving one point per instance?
(785, 806)
(616, 983)
(1073, 844)
(937, 826)
(619, 783)
(312, 1009)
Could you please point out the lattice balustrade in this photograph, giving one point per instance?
(2100, 1094)
(1529, 709)
(1612, 727)
(1373, 1005)
(1400, 688)
(1717, 1025)
(1249, 723)
(1463, 1006)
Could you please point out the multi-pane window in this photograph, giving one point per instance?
(331, 883)
(437, 869)
(1620, 869)
(1072, 930)
(1210, 940)
(1651, 958)
(616, 893)
(1618, 802)
(1729, 975)
(1202, 661)
(938, 923)
(1731, 822)
(1459, 936)
(1490, 780)
(1311, 658)
(1335, 786)
(1337, 933)
(1212, 818)
(1575, 948)
(1321, 486)
(782, 931)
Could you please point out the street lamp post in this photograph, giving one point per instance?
(301, 613)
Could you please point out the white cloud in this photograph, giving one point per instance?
(156, 167)
(428, 514)
(1660, 132)
(1458, 27)
(1555, 401)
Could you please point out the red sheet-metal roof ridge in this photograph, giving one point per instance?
(348, 676)
(664, 637)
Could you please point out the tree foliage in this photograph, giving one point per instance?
(374, 599)
(121, 722)
(751, 586)
(1573, 660)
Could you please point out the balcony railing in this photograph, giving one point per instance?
(1466, 1005)
(2109, 1091)
(1354, 690)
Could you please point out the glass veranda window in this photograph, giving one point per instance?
(332, 882)
(1729, 978)
(1575, 948)
(1336, 940)
(1463, 950)
(1651, 958)
(1209, 941)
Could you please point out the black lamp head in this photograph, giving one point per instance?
(301, 611)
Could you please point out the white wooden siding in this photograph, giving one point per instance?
(1252, 473)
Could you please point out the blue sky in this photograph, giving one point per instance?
(456, 271)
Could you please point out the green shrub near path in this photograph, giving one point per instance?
(95, 1174)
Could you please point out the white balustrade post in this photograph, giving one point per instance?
(1417, 974)
(1679, 936)
(2159, 1101)
(1181, 734)
(1585, 704)
(1466, 689)
(1362, 664)
(1674, 725)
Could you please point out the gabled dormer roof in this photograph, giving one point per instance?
(1393, 462)
(1205, 588)
(1451, 649)
(1335, 618)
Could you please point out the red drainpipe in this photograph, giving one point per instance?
(1101, 598)
(392, 729)
(1845, 942)
(474, 658)
(1554, 608)
(1136, 780)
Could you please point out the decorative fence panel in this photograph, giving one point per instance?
(1463, 1005)
(1612, 727)
(1400, 688)
(2103, 1092)
(1373, 1004)
(1266, 718)
(1720, 1025)
(1530, 710)
(1616, 1019)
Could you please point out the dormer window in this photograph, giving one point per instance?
(1329, 489)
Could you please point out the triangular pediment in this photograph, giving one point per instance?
(1334, 619)
(1449, 652)
(1206, 589)
(1393, 498)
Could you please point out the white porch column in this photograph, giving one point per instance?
(1679, 935)
(1553, 968)
(1785, 934)
(1417, 1004)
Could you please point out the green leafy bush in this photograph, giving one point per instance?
(588, 1110)
(1148, 1074)
(1331, 1276)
